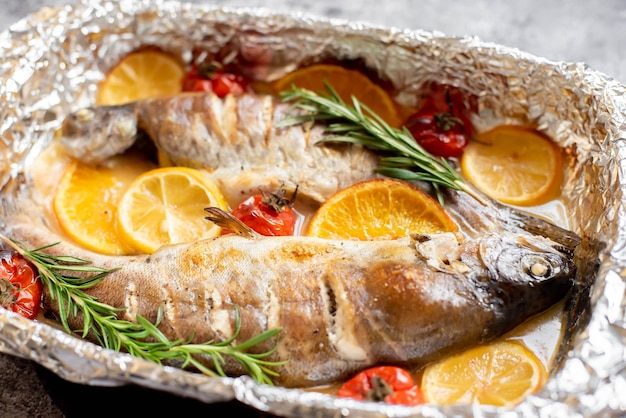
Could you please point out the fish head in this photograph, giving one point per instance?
(94, 134)
(527, 273)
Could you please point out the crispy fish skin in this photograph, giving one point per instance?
(236, 139)
(342, 305)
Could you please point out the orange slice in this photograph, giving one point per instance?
(140, 75)
(500, 374)
(86, 199)
(166, 206)
(515, 165)
(347, 83)
(379, 209)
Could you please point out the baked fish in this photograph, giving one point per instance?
(235, 139)
(342, 305)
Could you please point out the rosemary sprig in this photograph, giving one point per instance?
(142, 338)
(404, 158)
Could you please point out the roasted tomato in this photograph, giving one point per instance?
(388, 384)
(269, 214)
(210, 78)
(442, 125)
(20, 286)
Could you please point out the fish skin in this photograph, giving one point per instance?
(233, 138)
(342, 305)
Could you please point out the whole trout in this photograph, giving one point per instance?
(236, 139)
(342, 305)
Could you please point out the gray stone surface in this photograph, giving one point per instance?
(578, 30)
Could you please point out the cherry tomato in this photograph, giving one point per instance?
(440, 134)
(211, 79)
(20, 286)
(390, 384)
(268, 214)
(442, 125)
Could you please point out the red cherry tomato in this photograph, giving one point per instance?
(197, 84)
(442, 125)
(268, 214)
(440, 134)
(217, 81)
(20, 286)
(388, 384)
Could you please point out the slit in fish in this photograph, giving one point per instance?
(340, 323)
(332, 303)
(272, 309)
(131, 301)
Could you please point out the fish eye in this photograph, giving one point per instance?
(537, 267)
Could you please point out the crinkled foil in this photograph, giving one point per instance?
(53, 60)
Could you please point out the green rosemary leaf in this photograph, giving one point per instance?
(264, 336)
(357, 124)
(141, 338)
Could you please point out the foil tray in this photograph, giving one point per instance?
(53, 60)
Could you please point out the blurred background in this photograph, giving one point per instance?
(573, 31)
(576, 30)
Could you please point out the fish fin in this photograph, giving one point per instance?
(474, 216)
(567, 240)
(227, 221)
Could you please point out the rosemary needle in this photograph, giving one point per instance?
(141, 338)
(404, 158)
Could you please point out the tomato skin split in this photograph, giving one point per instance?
(390, 384)
(20, 285)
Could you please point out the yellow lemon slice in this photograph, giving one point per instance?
(515, 165)
(346, 83)
(500, 374)
(140, 75)
(379, 209)
(166, 206)
(86, 199)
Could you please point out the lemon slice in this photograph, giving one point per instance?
(500, 374)
(86, 199)
(515, 165)
(379, 209)
(346, 83)
(140, 75)
(166, 206)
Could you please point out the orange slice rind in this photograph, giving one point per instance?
(166, 206)
(379, 209)
(500, 374)
(515, 165)
(140, 75)
(86, 199)
(346, 83)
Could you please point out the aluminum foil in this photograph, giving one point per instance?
(53, 60)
